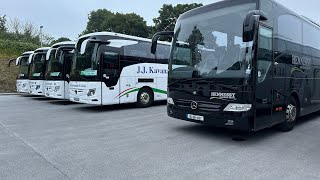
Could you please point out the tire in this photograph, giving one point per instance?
(145, 98)
(292, 113)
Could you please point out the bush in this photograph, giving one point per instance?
(13, 48)
(9, 50)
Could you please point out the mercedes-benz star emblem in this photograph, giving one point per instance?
(194, 105)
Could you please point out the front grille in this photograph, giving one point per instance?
(202, 106)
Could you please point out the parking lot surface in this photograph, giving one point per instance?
(42, 138)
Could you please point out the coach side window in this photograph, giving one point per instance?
(139, 52)
(289, 34)
(162, 54)
(311, 43)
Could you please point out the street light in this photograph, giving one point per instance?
(41, 27)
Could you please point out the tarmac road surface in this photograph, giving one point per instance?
(42, 138)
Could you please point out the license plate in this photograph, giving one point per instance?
(195, 117)
(76, 99)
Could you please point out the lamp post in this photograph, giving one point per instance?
(41, 27)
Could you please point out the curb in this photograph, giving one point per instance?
(10, 94)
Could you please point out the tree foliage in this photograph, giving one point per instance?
(61, 39)
(105, 20)
(3, 21)
(169, 15)
(20, 31)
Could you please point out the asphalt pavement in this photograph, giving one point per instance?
(42, 138)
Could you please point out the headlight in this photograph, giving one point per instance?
(238, 107)
(37, 87)
(56, 89)
(91, 92)
(170, 101)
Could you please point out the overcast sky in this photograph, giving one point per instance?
(68, 18)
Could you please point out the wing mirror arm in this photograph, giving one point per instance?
(10, 61)
(250, 22)
(156, 37)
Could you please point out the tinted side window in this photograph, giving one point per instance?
(311, 36)
(289, 36)
(140, 52)
(311, 43)
(162, 54)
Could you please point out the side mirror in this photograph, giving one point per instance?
(156, 37)
(84, 46)
(11, 60)
(249, 24)
(17, 61)
(48, 54)
(30, 58)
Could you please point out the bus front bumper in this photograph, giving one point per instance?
(84, 100)
(37, 87)
(85, 92)
(54, 89)
(23, 86)
(236, 121)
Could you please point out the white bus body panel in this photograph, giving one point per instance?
(130, 85)
(37, 87)
(127, 88)
(78, 92)
(23, 86)
(56, 89)
(66, 90)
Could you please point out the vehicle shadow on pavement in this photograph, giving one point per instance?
(40, 98)
(29, 95)
(62, 102)
(237, 137)
(96, 109)
(308, 118)
(224, 135)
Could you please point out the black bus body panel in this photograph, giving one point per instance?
(295, 65)
(212, 110)
(294, 72)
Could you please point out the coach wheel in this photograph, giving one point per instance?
(292, 113)
(145, 98)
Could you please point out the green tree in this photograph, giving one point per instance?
(61, 39)
(169, 15)
(105, 20)
(3, 28)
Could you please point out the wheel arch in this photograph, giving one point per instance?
(147, 87)
(151, 100)
(295, 95)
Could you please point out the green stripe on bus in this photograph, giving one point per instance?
(159, 91)
(134, 90)
(137, 89)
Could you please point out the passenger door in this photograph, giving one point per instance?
(68, 56)
(264, 86)
(110, 77)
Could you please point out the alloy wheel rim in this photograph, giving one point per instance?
(291, 113)
(145, 98)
